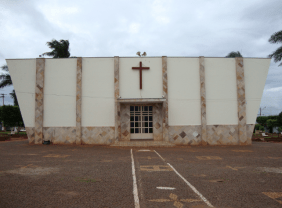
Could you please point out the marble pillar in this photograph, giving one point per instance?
(39, 102)
(117, 104)
(165, 103)
(241, 102)
(78, 99)
(203, 100)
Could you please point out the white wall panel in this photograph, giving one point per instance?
(23, 77)
(129, 78)
(221, 91)
(98, 89)
(98, 102)
(255, 71)
(60, 92)
(184, 107)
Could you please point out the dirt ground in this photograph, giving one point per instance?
(98, 176)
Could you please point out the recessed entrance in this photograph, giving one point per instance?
(141, 122)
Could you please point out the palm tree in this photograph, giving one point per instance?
(60, 49)
(5, 79)
(14, 97)
(234, 54)
(276, 38)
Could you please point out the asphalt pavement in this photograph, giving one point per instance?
(102, 176)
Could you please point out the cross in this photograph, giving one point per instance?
(140, 70)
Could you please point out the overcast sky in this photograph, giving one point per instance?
(160, 27)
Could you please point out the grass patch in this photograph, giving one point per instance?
(8, 132)
(5, 132)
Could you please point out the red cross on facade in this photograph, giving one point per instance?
(140, 70)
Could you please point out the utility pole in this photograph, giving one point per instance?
(3, 96)
(260, 110)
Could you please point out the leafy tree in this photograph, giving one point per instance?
(60, 49)
(11, 115)
(262, 120)
(271, 123)
(279, 119)
(272, 117)
(234, 54)
(276, 38)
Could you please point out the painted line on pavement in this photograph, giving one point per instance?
(189, 184)
(159, 155)
(144, 150)
(166, 188)
(135, 190)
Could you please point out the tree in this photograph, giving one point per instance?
(7, 81)
(14, 97)
(11, 115)
(271, 123)
(60, 49)
(262, 120)
(5, 78)
(279, 119)
(276, 38)
(234, 54)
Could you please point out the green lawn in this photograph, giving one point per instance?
(8, 132)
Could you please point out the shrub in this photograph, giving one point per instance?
(257, 126)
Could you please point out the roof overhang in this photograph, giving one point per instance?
(141, 100)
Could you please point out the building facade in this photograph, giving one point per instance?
(177, 100)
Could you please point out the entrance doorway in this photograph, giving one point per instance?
(141, 122)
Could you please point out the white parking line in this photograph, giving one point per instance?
(135, 190)
(159, 155)
(189, 184)
(166, 188)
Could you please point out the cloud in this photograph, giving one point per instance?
(159, 27)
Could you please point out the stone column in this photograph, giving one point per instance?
(203, 100)
(241, 101)
(165, 104)
(78, 99)
(39, 102)
(117, 104)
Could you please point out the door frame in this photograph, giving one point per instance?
(142, 135)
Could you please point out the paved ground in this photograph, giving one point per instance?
(96, 176)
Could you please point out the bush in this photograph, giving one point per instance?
(257, 126)
(261, 128)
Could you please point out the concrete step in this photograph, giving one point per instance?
(142, 144)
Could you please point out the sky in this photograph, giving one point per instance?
(106, 28)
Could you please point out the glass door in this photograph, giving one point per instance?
(141, 122)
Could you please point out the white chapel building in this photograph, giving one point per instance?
(121, 100)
